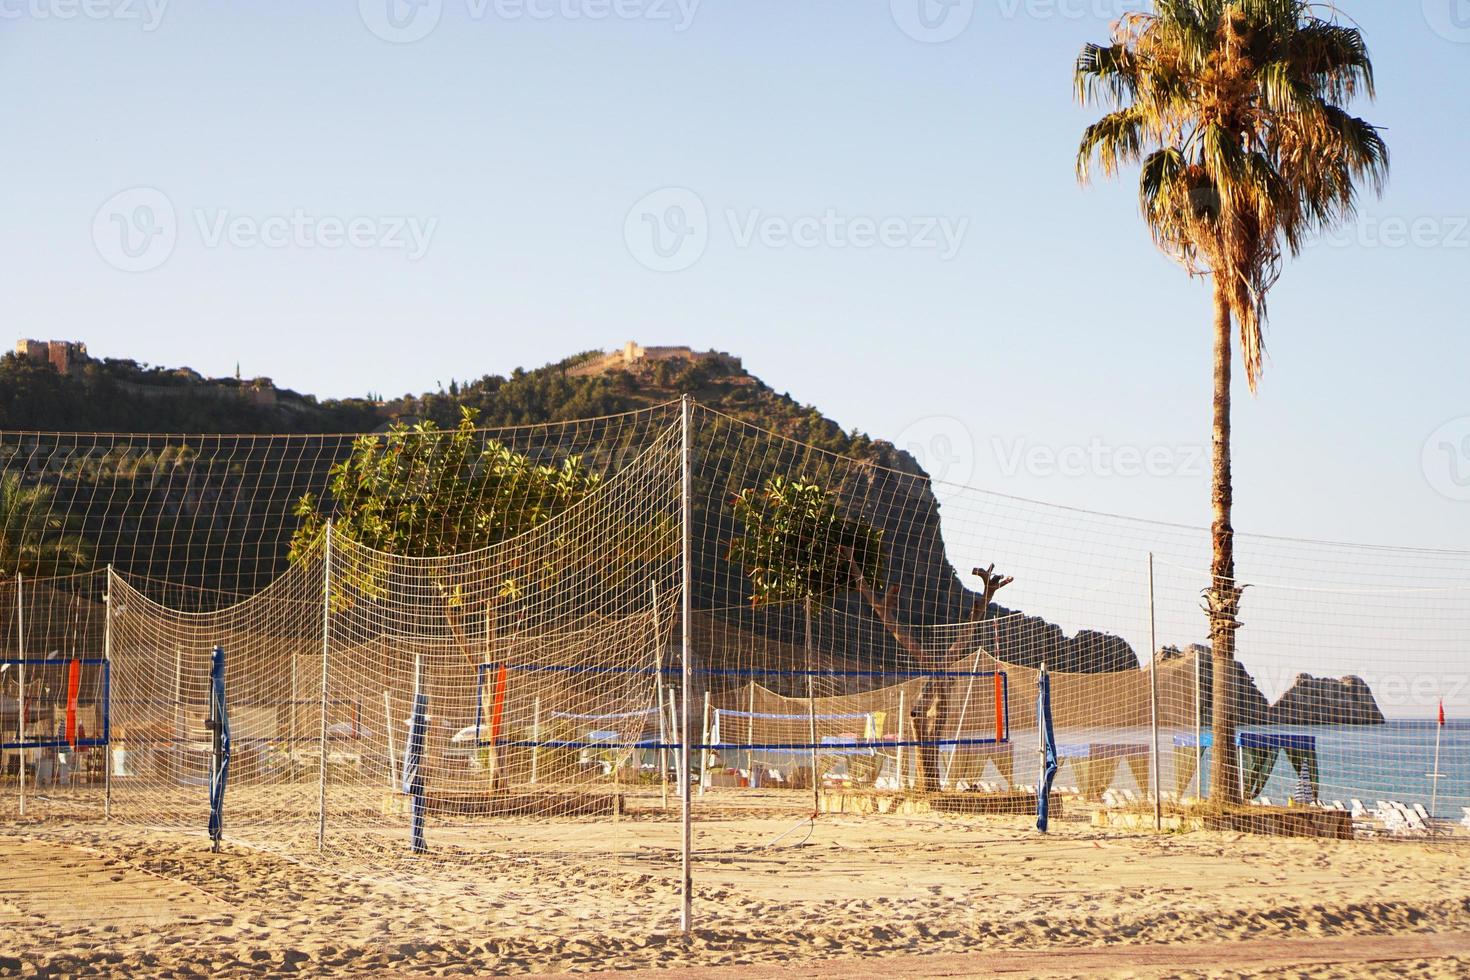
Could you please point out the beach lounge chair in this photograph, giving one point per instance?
(1466, 821)
(1359, 810)
(1337, 805)
(1423, 813)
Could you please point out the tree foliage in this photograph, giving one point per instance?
(34, 539)
(797, 543)
(423, 492)
(1235, 111)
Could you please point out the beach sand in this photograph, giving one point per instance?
(910, 896)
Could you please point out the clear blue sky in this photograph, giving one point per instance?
(520, 143)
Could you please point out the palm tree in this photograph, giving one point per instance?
(34, 540)
(1234, 109)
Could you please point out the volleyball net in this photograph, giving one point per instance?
(433, 632)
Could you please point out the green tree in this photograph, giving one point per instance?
(34, 540)
(1234, 109)
(424, 492)
(797, 545)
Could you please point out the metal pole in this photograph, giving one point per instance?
(811, 708)
(177, 748)
(536, 738)
(20, 635)
(1199, 748)
(898, 759)
(704, 746)
(686, 507)
(960, 723)
(1435, 777)
(750, 735)
(658, 699)
(321, 826)
(107, 692)
(291, 720)
(1153, 698)
(392, 756)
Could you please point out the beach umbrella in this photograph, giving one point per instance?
(219, 727)
(1048, 747)
(413, 767)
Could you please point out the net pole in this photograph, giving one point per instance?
(686, 510)
(388, 724)
(321, 779)
(1435, 777)
(1153, 699)
(291, 720)
(658, 700)
(811, 705)
(750, 735)
(20, 637)
(960, 723)
(176, 749)
(536, 739)
(107, 693)
(704, 746)
(1199, 749)
(898, 759)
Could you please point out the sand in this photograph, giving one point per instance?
(862, 896)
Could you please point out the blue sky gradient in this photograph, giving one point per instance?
(518, 146)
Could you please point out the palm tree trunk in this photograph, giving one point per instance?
(1223, 597)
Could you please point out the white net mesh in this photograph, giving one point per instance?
(481, 666)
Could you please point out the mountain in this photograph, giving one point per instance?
(216, 511)
(1327, 701)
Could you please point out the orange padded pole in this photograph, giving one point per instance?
(73, 685)
(497, 713)
(1000, 709)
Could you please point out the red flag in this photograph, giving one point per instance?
(1441, 711)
